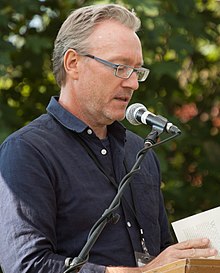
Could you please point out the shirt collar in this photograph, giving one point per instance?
(71, 122)
(64, 117)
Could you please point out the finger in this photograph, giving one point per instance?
(197, 253)
(194, 243)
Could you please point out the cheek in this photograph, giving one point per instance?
(98, 83)
(99, 88)
(91, 93)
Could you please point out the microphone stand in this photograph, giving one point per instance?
(75, 264)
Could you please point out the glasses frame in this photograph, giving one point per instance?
(117, 66)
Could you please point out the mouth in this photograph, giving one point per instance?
(125, 99)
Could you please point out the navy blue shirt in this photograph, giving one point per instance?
(52, 193)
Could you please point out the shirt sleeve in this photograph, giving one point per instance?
(166, 237)
(92, 268)
(28, 213)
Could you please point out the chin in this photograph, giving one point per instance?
(115, 115)
(119, 117)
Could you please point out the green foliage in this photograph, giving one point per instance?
(181, 46)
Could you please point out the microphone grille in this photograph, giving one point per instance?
(131, 113)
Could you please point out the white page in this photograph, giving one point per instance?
(205, 224)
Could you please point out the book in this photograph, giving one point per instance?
(202, 225)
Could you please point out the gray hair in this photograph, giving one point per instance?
(79, 25)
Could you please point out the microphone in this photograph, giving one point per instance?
(138, 114)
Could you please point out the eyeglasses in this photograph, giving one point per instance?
(123, 71)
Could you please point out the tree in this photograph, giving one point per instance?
(181, 47)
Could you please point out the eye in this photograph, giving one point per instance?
(124, 70)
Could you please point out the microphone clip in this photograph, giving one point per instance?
(152, 137)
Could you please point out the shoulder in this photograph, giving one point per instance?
(29, 142)
(33, 132)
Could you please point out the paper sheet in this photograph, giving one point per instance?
(204, 224)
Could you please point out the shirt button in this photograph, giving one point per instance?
(89, 131)
(103, 151)
(128, 224)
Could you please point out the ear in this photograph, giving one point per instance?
(70, 61)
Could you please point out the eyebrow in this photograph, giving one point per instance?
(124, 61)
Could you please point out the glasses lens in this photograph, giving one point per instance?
(124, 71)
(142, 74)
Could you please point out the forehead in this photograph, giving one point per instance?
(113, 37)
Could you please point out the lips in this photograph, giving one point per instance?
(123, 98)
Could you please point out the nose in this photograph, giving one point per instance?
(131, 82)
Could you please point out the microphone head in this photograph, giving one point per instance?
(132, 111)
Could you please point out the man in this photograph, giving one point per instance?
(52, 186)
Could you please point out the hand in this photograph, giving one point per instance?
(196, 248)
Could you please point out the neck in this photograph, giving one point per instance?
(100, 130)
(101, 133)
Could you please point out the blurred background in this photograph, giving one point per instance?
(181, 47)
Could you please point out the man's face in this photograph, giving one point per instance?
(102, 96)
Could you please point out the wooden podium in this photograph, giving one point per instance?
(189, 266)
